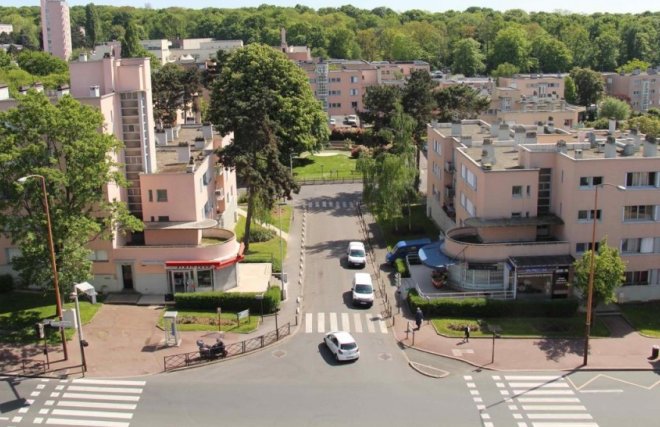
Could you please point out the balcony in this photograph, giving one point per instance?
(465, 243)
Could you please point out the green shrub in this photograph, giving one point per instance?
(6, 283)
(401, 267)
(242, 198)
(260, 234)
(483, 307)
(229, 301)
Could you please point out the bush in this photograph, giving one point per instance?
(260, 234)
(483, 307)
(232, 302)
(6, 283)
(401, 267)
(358, 150)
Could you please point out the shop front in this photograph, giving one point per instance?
(198, 276)
(541, 276)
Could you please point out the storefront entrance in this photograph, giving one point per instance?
(541, 276)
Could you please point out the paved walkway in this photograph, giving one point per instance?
(124, 340)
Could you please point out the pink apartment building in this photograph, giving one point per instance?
(187, 202)
(640, 89)
(56, 28)
(517, 206)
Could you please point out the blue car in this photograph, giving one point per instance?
(405, 247)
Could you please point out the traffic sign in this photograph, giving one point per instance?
(61, 324)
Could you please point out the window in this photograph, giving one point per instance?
(636, 278)
(642, 179)
(12, 253)
(583, 247)
(516, 214)
(334, 105)
(590, 181)
(161, 195)
(640, 245)
(639, 213)
(163, 218)
(354, 105)
(516, 191)
(585, 215)
(98, 256)
(151, 196)
(355, 79)
(335, 79)
(469, 177)
(334, 92)
(353, 92)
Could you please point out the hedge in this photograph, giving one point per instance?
(232, 302)
(484, 307)
(6, 283)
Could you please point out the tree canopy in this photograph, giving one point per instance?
(62, 143)
(609, 271)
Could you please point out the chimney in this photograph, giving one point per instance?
(82, 57)
(592, 140)
(530, 137)
(637, 138)
(551, 127)
(39, 87)
(4, 92)
(518, 135)
(456, 128)
(503, 132)
(611, 128)
(94, 91)
(207, 132)
(650, 146)
(283, 44)
(628, 149)
(578, 153)
(23, 90)
(488, 152)
(466, 140)
(494, 128)
(610, 147)
(561, 146)
(62, 90)
(183, 153)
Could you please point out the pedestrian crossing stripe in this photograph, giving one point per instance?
(316, 204)
(325, 322)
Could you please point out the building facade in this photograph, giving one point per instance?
(517, 207)
(56, 28)
(640, 89)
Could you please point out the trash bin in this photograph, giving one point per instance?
(654, 352)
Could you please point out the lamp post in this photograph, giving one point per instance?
(51, 247)
(82, 341)
(291, 163)
(592, 267)
(279, 209)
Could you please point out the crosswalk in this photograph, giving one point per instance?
(82, 402)
(372, 323)
(542, 401)
(313, 205)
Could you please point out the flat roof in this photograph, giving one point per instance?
(167, 156)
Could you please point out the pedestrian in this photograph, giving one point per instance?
(467, 333)
(419, 316)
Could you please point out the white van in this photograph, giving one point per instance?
(356, 255)
(363, 290)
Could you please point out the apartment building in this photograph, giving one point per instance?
(186, 201)
(340, 84)
(641, 89)
(517, 206)
(6, 28)
(56, 28)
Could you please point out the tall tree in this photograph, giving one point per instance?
(62, 143)
(605, 52)
(467, 58)
(570, 91)
(551, 54)
(92, 25)
(130, 43)
(512, 46)
(379, 106)
(459, 102)
(609, 271)
(191, 82)
(614, 108)
(41, 63)
(266, 101)
(167, 92)
(588, 84)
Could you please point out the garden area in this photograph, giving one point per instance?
(643, 317)
(338, 166)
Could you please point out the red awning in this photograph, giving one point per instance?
(204, 264)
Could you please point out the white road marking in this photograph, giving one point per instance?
(106, 389)
(345, 322)
(103, 414)
(86, 423)
(551, 424)
(97, 405)
(333, 322)
(382, 325)
(548, 400)
(358, 322)
(541, 392)
(100, 397)
(530, 377)
(602, 391)
(554, 408)
(540, 385)
(308, 322)
(370, 323)
(560, 416)
(321, 322)
(109, 382)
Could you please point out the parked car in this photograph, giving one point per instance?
(342, 345)
(356, 254)
(362, 290)
(333, 123)
(405, 247)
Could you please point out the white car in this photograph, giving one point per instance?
(363, 290)
(342, 345)
(356, 254)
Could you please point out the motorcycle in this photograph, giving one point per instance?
(212, 351)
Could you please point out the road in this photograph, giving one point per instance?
(298, 383)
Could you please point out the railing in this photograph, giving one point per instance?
(183, 360)
(324, 180)
(27, 368)
(462, 295)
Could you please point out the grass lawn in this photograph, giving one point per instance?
(262, 251)
(287, 213)
(536, 327)
(208, 321)
(20, 311)
(422, 226)
(644, 317)
(325, 167)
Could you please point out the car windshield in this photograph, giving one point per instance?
(357, 253)
(349, 346)
(363, 289)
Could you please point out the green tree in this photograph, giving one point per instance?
(570, 91)
(191, 81)
(92, 26)
(5, 60)
(614, 108)
(588, 84)
(609, 271)
(552, 55)
(467, 58)
(648, 124)
(511, 45)
(41, 63)
(379, 106)
(505, 70)
(459, 102)
(576, 38)
(605, 52)
(130, 43)
(632, 65)
(266, 101)
(62, 143)
(167, 93)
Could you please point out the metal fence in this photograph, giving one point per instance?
(318, 181)
(469, 294)
(182, 360)
(27, 368)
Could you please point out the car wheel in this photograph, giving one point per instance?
(337, 357)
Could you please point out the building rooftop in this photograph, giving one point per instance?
(188, 148)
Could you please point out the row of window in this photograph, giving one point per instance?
(635, 245)
(635, 213)
(353, 79)
(351, 92)
(354, 104)
(642, 278)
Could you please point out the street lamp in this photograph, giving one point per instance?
(291, 163)
(279, 209)
(53, 263)
(81, 340)
(590, 286)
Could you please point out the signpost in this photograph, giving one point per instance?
(242, 315)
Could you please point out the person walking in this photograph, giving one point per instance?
(466, 330)
(419, 316)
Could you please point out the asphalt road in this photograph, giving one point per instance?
(297, 382)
